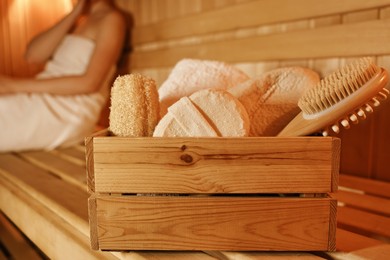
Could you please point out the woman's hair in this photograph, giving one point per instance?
(123, 62)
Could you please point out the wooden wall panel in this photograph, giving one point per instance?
(5, 53)
(292, 44)
(247, 14)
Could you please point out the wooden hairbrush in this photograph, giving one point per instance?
(341, 98)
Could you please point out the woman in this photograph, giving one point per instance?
(61, 105)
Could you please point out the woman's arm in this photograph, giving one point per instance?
(109, 43)
(42, 47)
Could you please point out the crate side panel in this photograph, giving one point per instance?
(213, 165)
(332, 225)
(212, 223)
(336, 152)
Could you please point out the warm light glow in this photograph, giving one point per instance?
(67, 5)
(21, 20)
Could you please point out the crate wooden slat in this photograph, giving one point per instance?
(212, 165)
(209, 223)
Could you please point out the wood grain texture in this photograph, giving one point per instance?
(336, 151)
(90, 172)
(214, 165)
(15, 243)
(368, 186)
(375, 252)
(368, 203)
(67, 200)
(348, 241)
(20, 22)
(57, 238)
(229, 255)
(363, 222)
(93, 223)
(212, 223)
(332, 226)
(253, 13)
(59, 166)
(320, 42)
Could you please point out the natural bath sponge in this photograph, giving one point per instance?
(206, 113)
(191, 75)
(271, 99)
(134, 107)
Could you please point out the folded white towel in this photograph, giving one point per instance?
(271, 99)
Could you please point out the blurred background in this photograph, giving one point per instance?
(365, 147)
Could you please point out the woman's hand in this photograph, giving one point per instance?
(79, 8)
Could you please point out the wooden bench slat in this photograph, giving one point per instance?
(320, 42)
(16, 244)
(267, 256)
(374, 252)
(59, 239)
(72, 154)
(65, 169)
(365, 202)
(369, 186)
(77, 151)
(66, 200)
(256, 13)
(169, 255)
(347, 241)
(363, 222)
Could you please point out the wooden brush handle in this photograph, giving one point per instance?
(304, 124)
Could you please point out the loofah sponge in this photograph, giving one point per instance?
(271, 99)
(134, 107)
(190, 75)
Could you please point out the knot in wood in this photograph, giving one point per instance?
(186, 158)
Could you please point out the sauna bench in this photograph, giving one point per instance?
(43, 200)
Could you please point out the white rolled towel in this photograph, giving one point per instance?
(271, 99)
(191, 75)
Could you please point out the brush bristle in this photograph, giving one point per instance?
(337, 86)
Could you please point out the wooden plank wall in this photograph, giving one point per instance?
(254, 35)
(20, 20)
(258, 36)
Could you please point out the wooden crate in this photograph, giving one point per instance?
(263, 193)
